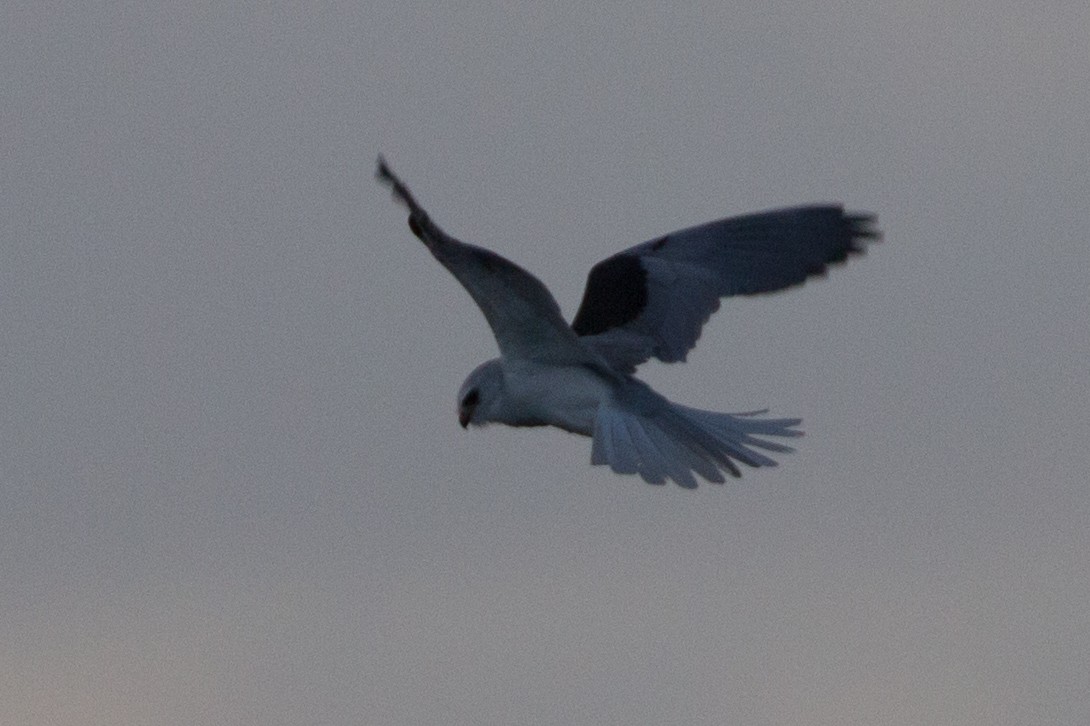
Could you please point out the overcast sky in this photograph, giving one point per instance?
(233, 488)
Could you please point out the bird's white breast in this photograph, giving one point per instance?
(562, 396)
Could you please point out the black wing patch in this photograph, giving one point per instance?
(616, 294)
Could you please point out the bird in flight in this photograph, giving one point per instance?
(649, 301)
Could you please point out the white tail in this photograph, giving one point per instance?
(673, 442)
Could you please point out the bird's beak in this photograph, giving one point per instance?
(463, 416)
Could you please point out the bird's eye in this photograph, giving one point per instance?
(471, 399)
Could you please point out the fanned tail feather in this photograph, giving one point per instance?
(675, 442)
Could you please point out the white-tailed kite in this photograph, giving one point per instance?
(649, 301)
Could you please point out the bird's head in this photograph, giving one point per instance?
(480, 395)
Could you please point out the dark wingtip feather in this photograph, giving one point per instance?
(387, 177)
(382, 172)
(401, 192)
(860, 230)
(862, 226)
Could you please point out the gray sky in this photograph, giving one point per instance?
(233, 489)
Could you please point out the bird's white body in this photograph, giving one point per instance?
(566, 396)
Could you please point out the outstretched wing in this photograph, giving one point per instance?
(524, 317)
(653, 299)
